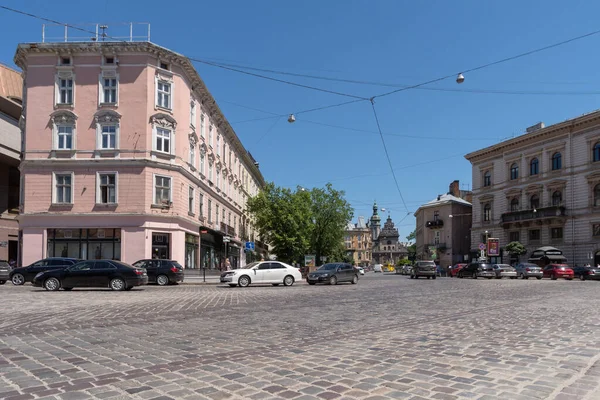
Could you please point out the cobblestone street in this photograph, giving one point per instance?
(389, 337)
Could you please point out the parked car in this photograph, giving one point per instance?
(261, 272)
(477, 269)
(454, 269)
(162, 272)
(361, 270)
(93, 273)
(333, 273)
(527, 270)
(377, 268)
(504, 271)
(5, 269)
(407, 270)
(19, 276)
(423, 268)
(555, 271)
(586, 273)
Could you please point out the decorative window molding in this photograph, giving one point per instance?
(108, 84)
(163, 134)
(193, 140)
(162, 193)
(64, 88)
(64, 129)
(202, 161)
(107, 130)
(193, 112)
(164, 90)
(191, 199)
(202, 126)
(107, 188)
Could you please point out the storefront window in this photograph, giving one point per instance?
(191, 251)
(160, 245)
(85, 244)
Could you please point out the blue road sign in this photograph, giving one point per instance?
(249, 246)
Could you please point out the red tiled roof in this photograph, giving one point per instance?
(11, 83)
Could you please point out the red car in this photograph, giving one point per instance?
(555, 271)
(454, 270)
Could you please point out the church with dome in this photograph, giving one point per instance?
(387, 249)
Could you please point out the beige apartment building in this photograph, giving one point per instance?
(11, 95)
(358, 242)
(541, 189)
(443, 232)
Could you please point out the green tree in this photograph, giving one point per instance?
(412, 236)
(515, 248)
(403, 261)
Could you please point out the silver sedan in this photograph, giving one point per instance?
(504, 271)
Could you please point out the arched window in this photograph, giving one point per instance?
(597, 195)
(534, 167)
(514, 204)
(596, 154)
(487, 178)
(556, 198)
(534, 201)
(487, 212)
(556, 161)
(514, 171)
(389, 242)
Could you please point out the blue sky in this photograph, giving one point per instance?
(427, 132)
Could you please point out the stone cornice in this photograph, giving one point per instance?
(198, 86)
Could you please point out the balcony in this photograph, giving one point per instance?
(228, 230)
(538, 214)
(437, 245)
(260, 245)
(436, 223)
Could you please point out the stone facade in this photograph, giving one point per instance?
(541, 189)
(387, 249)
(358, 242)
(128, 156)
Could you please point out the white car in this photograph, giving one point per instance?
(361, 270)
(378, 268)
(262, 272)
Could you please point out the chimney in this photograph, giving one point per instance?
(454, 189)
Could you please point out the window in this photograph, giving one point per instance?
(163, 140)
(191, 200)
(234, 224)
(514, 204)
(230, 166)
(217, 147)
(534, 202)
(514, 171)
(109, 60)
(162, 189)
(514, 236)
(201, 205)
(217, 214)
(202, 125)
(210, 167)
(596, 152)
(436, 216)
(487, 212)
(210, 211)
(597, 195)
(192, 154)
(596, 230)
(223, 219)
(193, 113)
(65, 91)
(487, 178)
(557, 198)
(63, 183)
(556, 233)
(202, 162)
(534, 235)
(210, 136)
(65, 61)
(163, 94)
(534, 167)
(64, 139)
(109, 90)
(218, 174)
(107, 188)
(164, 65)
(108, 136)
(556, 161)
(224, 150)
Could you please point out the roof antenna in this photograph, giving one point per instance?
(103, 34)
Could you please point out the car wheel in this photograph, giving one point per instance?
(428, 277)
(128, 288)
(581, 277)
(244, 281)
(354, 280)
(52, 284)
(538, 277)
(412, 276)
(18, 279)
(433, 277)
(67, 288)
(117, 284)
(162, 280)
(2, 282)
(333, 280)
(288, 280)
(474, 276)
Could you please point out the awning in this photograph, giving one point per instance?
(556, 258)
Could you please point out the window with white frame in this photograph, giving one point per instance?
(224, 183)
(163, 94)
(202, 162)
(200, 205)
(108, 136)
(107, 188)
(109, 90)
(223, 219)
(63, 188)
(210, 167)
(64, 137)
(162, 189)
(192, 159)
(218, 144)
(202, 125)
(217, 214)
(65, 91)
(190, 200)
(210, 136)
(163, 140)
(210, 211)
(218, 175)
(224, 150)
(193, 113)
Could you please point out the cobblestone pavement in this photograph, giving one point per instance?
(388, 337)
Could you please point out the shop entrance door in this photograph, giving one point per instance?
(161, 246)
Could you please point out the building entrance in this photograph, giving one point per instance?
(161, 245)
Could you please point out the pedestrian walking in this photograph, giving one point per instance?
(227, 265)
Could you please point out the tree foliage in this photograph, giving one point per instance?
(515, 248)
(302, 222)
(412, 236)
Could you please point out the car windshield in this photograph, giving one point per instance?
(248, 266)
(327, 267)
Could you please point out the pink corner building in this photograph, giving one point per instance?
(127, 156)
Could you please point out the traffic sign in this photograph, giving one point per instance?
(249, 246)
(481, 246)
(226, 239)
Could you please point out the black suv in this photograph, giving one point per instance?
(478, 268)
(333, 273)
(162, 272)
(19, 276)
